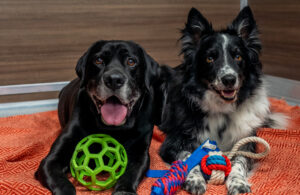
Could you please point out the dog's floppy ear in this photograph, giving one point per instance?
(246, 28)
(82, 63)
(151, 71)
(195, 28)
(80, 67)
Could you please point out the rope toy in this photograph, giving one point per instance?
(215, 165)
(176, 175)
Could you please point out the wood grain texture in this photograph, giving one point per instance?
(41, 41)
(28, 97)
(279, 24)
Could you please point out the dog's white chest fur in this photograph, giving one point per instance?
(228, 123)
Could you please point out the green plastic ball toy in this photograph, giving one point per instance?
(98, 161)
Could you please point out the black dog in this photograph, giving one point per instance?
(217, 93)
(113, 95)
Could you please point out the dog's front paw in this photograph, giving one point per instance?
(195, 186)
(238, 186)
(124, 193)
(195, 183)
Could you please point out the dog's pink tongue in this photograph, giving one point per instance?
(113, 113)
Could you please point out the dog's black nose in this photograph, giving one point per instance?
(114, 80)
(228, 80)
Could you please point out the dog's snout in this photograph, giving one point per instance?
(114, 80)
(229, 80)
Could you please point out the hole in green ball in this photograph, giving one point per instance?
(109, 159)
(103, 176)
(118, 170)
(105, 159)
(110, 144)
(95, 148)
(93, 163)
(87, 179)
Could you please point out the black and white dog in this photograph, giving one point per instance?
(217, 93)
(113, 95)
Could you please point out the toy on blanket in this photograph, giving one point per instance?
(215, 166)
(98, 161)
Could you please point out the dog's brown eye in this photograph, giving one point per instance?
(99, 61)
(209, 59)
(238, 57)
(131, 62)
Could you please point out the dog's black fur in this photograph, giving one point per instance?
(216, 93)
(80, 102)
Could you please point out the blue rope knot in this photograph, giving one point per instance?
(215, 162)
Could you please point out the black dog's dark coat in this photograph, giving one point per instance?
(79, 117)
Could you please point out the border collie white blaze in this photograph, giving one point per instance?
(217, 93)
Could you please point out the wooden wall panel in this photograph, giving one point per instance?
(41, 41)
(28, 97)
(279, 23)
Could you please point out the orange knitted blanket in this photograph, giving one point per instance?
(26, 139)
